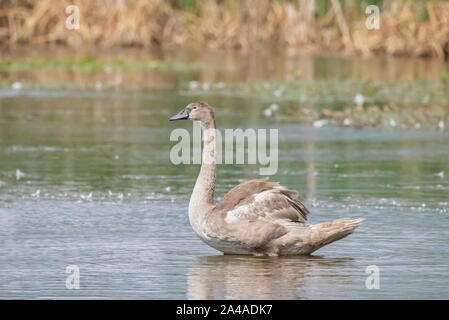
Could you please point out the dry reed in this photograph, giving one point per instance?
(240, 25)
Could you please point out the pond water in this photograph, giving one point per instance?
(86, 180)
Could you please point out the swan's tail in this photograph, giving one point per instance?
(328, 232)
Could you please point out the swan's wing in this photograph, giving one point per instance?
(261, 199)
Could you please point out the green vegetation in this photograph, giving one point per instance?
(348, 101)
(95, 65)
(322, 91)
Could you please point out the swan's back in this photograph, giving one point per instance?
(262, 199)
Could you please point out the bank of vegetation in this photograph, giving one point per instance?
(407, 28)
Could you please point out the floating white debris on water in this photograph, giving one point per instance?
(168, 189)
(19, 174)
(120, 196)
(441, 124)
(98, 85)
(413, 187)
(36, 194)
(268, 112)
(336, 165)
(392, 123)
(417, 125)
(16, 85)
(194, 85)
(359, 99)
(346, 122)
(313, 203)
(220, 85)
(151, 196)
(274, 106)
(440, 174)
(107, 69)
(205, 86)
(86, 197)
(278, 93)
(320, 123)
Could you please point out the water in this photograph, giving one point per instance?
(85, 179)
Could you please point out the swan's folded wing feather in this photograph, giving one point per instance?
(261, 199)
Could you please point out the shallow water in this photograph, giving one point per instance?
(86, 180)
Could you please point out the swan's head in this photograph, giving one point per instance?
(196, 111)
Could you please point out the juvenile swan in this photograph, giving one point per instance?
(257, 217)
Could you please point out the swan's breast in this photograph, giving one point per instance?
(226, 246)
(219, 243)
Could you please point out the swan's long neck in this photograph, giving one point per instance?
(202, 199)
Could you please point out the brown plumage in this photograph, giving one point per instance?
(257, 217)
(283, 198)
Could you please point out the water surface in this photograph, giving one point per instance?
(86, 180)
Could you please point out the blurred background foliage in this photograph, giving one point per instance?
(407, 28)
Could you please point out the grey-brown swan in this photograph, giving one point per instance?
(257, 217)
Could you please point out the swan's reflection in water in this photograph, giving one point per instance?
(244, 277)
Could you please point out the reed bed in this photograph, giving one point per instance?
(407, 28)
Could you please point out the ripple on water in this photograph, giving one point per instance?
(123, 220)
